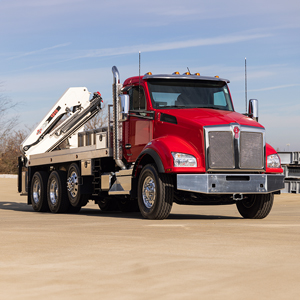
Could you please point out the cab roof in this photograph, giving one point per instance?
(183, 76)
(137, 79)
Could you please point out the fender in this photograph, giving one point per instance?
(155, 156)
(160, 151)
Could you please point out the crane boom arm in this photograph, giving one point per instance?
(74, 105)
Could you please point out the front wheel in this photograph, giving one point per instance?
(255, 206)
(155, 193)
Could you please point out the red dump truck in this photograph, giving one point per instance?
(170, 138)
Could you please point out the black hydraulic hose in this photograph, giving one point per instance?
(27, 147)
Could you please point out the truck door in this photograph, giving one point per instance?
(138, 128)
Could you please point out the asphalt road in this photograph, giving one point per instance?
(199, 252)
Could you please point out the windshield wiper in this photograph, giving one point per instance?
(170, 106)
(214, 107)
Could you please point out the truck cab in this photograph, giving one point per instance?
(186, 127)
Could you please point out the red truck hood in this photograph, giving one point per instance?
(208, 116)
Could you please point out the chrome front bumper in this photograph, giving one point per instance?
(230, 183)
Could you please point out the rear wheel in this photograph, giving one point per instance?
(73, 188)
(155, 193)
(255, 206)
(57, 192)
(39, 191)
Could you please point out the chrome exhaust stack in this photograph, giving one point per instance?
(117, 129)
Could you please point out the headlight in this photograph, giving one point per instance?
(273, 161)
(184, 160)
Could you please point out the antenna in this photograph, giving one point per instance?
(246, 84)
(139, 79)
(139, 63)
(188, 69)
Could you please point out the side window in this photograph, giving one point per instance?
(219, 99)
(137, 98)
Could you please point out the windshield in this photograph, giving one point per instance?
(168, 93)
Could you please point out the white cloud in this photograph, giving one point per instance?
(151, 47)
(275, 87)
(133, 49)
(35, 52)
(38, 13)
(36, 3)
(226, 39)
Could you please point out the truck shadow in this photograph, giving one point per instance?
(17, 206)
(23, 207)
(137, 215)
(200, 217)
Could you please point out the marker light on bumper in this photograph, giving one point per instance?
(184, 160)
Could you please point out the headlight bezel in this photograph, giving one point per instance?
(184, 160)
(273, 161)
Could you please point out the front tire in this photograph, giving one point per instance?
(39, 191)
(255, 206)
(155, 193)
(57, 192)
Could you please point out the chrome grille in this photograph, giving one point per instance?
(221, 154)
(251, 153)
(231, 150)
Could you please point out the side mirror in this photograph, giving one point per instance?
(124, 102)
(253, 109)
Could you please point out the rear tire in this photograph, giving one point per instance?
(39, 191)
(73, 188)
(57, 192)
(256, 206)
(155, 193)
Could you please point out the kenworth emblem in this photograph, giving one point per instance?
(236, 132)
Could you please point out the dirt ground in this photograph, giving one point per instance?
(199, 252)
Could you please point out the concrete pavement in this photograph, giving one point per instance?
(199, 252)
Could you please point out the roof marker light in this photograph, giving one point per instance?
(176, 73)
(197, 74)
(187, 73)
(148, 73)
(217, 76)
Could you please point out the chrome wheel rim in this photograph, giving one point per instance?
(149, 192)
(72, 184)
(53, 191)
(36, 191)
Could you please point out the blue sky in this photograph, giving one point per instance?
(48, 46)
